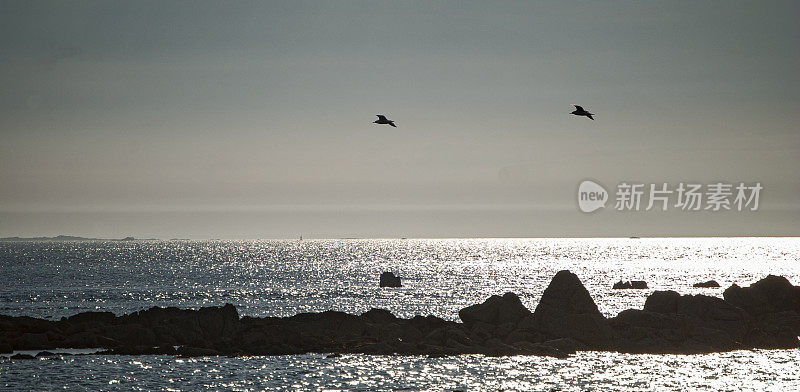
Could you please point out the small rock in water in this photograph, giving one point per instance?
(631, 284)
(710, 283)
(389, 279)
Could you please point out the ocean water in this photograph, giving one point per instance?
(440, 276)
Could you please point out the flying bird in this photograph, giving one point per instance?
(383, 120)
(579, 111)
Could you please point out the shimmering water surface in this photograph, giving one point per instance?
(280, 278)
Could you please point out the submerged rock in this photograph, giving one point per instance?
(388, 279)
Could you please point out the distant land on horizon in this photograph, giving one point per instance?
(69, 238)
(66, 238)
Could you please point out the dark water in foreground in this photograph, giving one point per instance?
(280, 278)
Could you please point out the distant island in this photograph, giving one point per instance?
(67, 238)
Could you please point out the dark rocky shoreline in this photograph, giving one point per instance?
(765, 315)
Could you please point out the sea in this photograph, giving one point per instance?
(53, 279)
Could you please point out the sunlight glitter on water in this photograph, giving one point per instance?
(281, 278)
(440, 276)
(734, 371)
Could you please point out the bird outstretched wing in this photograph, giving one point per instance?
(578, 107)
(381, 117)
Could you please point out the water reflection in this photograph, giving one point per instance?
(281, 278)
(740, 370)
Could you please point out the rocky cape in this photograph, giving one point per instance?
(765, 315)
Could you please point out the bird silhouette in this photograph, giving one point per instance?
(579, 111)
(383, 120)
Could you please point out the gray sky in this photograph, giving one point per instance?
(251, 120)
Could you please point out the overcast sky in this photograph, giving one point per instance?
(254, 120)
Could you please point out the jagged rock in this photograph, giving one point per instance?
(702, 310)
(566, 320)
(769, 295)
(566, 310)
(496, 310)
(379, 316)
(707, 284)
(388, 279)
(631, 284)
(674, 323)
(639, 331)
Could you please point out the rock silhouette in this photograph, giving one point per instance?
(707, 284)
(388, 279)
(566, 320)
(769, 295)
(566, 310)
(496, 310)
(631, 284)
